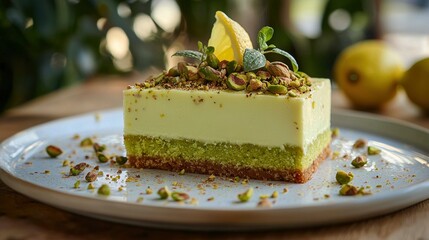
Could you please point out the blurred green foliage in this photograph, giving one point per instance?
(48, 44)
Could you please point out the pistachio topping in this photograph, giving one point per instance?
(121, 160)
(86, 142)
(104, 190)
(91, 176)
(335, 132)
(98, 148)
(348, 190)
(277, 89)
(237, 81)
(76, 184)
(53, 151)
(373, 150)
(359, 161)
(360, 143)
(209, 73)
(77, 169)
(179, 196)
(245, 196)
(343, 177)
(163, 192)
(102, 158)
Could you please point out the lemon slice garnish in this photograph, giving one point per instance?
(229, 39)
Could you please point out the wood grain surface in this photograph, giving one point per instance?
(24, 218)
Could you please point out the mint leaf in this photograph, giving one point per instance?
(264, 35)
(253, 59)
(286, 54)
(189, 54)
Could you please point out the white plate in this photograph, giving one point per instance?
(397, 178)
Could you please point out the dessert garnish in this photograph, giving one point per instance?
(53, 151)
(359, 161)
(344, 177)
(256, 74)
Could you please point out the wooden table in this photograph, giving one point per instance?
(24, 218)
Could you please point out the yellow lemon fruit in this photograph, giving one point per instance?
(416, 83)
(229, 39)
(368, 73)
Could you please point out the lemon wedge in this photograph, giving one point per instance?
(229, 39)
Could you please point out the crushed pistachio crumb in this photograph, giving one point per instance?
(53, 151)
(104, 190)
(373, 150)
(245, 196)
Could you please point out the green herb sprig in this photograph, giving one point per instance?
(254, 59)
(199, 55)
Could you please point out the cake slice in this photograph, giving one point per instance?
(219, 117)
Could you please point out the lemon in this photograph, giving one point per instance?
(229, 39)
(416, 83)
(368, 73)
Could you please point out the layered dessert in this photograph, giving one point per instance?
(229, 118)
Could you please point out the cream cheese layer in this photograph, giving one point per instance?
(227, 116)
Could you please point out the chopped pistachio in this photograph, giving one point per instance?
(99, 148)
(277, 89)
(245, 196)
(251, 75)
(343, 177)
(293, 93)
(90, 186)
(254, 84)
(263, 75)
(348, 190)
(86, 142)
(76, 170)
(192, 73)
(66, 163)
(104, 190)
(102, 158)
(91, 176)
(263, 196)
(53, 151)
(360, 143)
(163, 192)
(209, 73)
(335, 132)
(359, 161)
(76, 184)
(373, 150)
(237, 81)
(278, 69)
(231, 66)
(149, 190)
(179, 196)
(173, 72)
(211, 178)
(275, 194)
(121, 160)
(182, 172)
